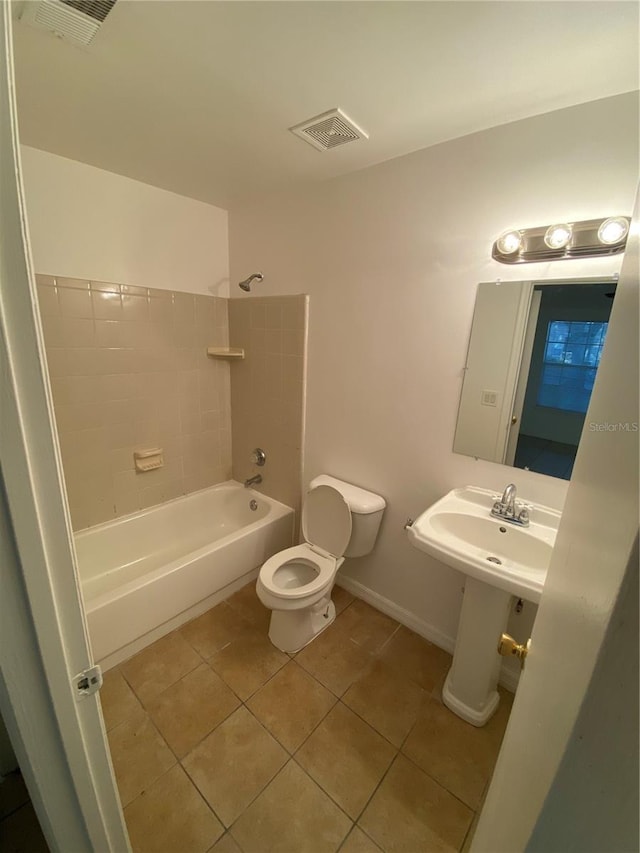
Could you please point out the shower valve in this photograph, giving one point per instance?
(258, 457)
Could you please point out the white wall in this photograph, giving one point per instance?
(88, 223)
(391, 257)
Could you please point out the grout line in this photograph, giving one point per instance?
(210, 732)
(370, 725)
(366, 834)
(208, 804)
(438, 782)
(16, 809)
(261, 791)
(274, 736)
(388, 640)
(324, 791)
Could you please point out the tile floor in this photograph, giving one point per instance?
(19, 828)
(222, 743)
(545, 457)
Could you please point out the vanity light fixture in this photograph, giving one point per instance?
(613, 230)
(557, 236)
(585, 239)
(509, 242)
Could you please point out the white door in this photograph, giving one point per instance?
(523, 377)
(567, 770)
(57, 733)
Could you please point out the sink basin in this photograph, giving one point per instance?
(460, 531)
(500, 560)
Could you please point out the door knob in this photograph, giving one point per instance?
(514, 420)
(507, 647)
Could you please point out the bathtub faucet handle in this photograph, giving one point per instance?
(258, 457)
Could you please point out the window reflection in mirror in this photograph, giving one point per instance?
(531, 365)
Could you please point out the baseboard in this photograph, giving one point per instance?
(508, 677)
(400, 614)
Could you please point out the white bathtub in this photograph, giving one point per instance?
(145, 574)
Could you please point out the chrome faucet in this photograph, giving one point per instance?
(509, 499)
(508, 509)
(253, 481)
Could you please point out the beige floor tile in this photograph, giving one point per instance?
(456, 754)
(234, 763)
(171, 815)
(418, 659)
(347, 758)
(159, 666)
(214, 629)
(119, 702)
(247, 604)
(187, 711)
(292, 815)
(225, 845)
(410, 812)
(388, 701)
(367, 627)
(358, 842)
(291, 705)
(341, 598)
(139, 755)
(248, 662)
(334, 659)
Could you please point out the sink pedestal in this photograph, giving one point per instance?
(470, 687)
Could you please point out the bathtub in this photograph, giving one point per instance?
(147, 573)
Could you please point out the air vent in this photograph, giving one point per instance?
(75, 20)
(329, 130)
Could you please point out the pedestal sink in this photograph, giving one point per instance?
(500, 560)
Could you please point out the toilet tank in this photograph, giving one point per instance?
(366, 513)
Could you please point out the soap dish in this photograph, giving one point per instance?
(147, 460)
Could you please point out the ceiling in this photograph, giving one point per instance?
(196, 97)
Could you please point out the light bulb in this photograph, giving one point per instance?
(613, 230)
(557, 236)
(509, 242)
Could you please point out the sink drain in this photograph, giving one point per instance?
(496, 560)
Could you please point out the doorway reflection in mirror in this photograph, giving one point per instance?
(531, 366)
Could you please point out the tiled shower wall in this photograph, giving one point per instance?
(129, 371)
(267, 391)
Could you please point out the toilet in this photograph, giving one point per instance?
(338, 520)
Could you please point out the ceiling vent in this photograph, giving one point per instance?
(329, 130)
(75, 20)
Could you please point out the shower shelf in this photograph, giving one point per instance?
(225, 352)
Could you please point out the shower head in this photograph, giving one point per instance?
(246, 284)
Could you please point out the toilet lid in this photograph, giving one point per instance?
(326, 520)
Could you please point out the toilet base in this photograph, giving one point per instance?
(292, 630)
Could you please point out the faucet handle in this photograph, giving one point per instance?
(258, 457)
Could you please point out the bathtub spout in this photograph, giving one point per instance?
(253, 481)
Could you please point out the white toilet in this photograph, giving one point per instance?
(338, 520)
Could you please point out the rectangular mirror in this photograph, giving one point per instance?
(533, 355)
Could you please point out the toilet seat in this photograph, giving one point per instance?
(324, 565)
(326, 526)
